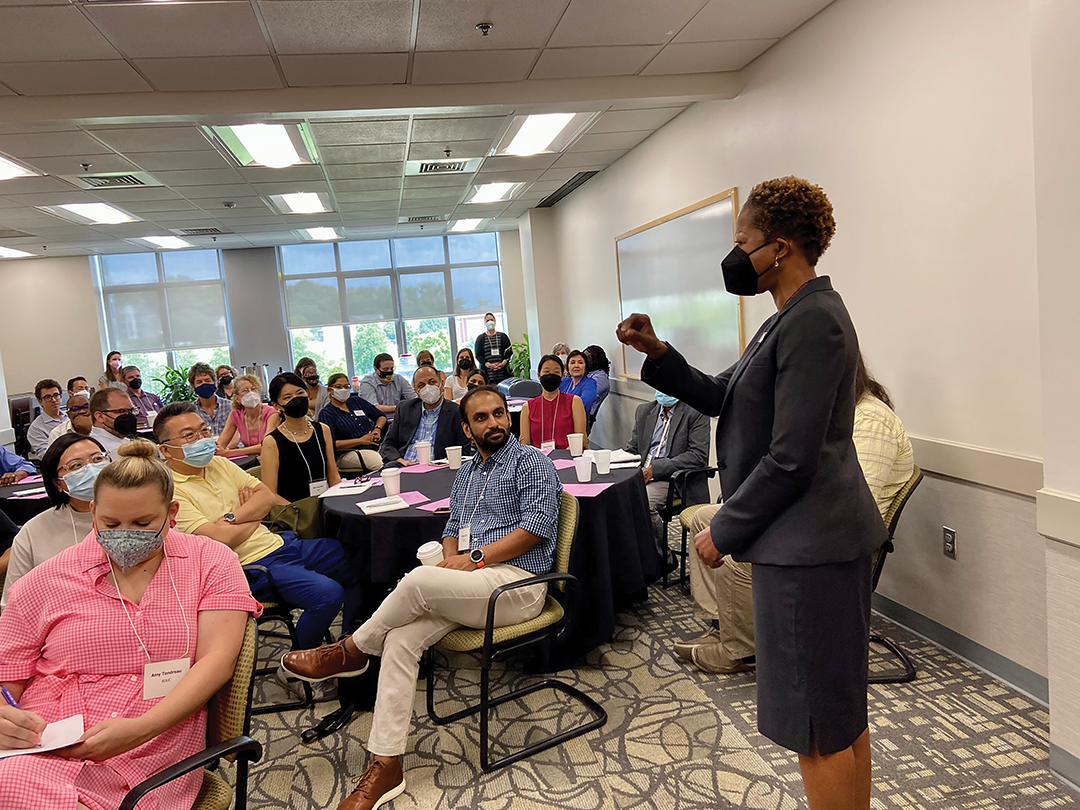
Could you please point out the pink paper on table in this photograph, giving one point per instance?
(563, 463)
(420, 468)
(413, 498)
(548, 452)
(584, 490)
(32, 479)
(431, 507)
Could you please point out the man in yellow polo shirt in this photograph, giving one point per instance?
(220, 501)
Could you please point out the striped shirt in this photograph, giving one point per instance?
(216, 423)
(355, 423)
(516, 488)
(883, 448)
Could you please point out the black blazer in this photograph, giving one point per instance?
(448, 432)
(794, 493)
(687, 446)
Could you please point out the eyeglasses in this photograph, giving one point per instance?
(342, 387)
(79, 408)
(77, 464)
(54, 397)
(132, 411)
(189, 436)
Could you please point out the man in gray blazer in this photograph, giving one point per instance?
(670, 436)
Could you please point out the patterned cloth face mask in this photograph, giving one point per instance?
(129, 547)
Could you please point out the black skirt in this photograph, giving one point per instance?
(812, 628)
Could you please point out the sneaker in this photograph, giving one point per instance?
(712, 659)
(685, 649)
(381, 783)
(323, 663)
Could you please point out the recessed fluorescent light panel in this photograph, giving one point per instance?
(167, 242)
(494, 192)
(319, 234)
(90, 213)
(12, 253)
(301, 202)
(465, 225)
(542, 134)
(9, 169)
(272, 145)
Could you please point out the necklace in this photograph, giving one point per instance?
(796, 292)
(301, 434)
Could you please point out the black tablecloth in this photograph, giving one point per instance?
(614, 557)
(21, 510)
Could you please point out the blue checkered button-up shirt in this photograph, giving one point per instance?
(520, 490)
(425, 432)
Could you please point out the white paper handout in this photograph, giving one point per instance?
(622, 457)
(347, 488)
(379, 505)
(626, 465)
(56, 735)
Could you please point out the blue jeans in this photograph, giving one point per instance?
(315, 576)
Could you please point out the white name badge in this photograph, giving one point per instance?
(316, 488)
(359, 412)
(547, 445)
(159, 677)
(464, 538)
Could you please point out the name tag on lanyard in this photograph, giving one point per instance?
(464, 538)
(160, 677)
(316, 488)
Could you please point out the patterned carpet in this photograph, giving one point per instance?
(954, 739)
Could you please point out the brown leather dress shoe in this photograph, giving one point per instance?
(381, 783)
(323, 663)
(711, 658)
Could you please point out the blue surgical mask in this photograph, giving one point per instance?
(666, 401)
(206, 390)
(80, 484)
(200, 452)
(129, 547)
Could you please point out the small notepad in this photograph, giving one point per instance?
(380, 505)
(56, 735)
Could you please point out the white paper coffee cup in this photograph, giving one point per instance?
(423, 452)
(603, 461)
(391, 478)
(583, 468)
(430, 553)
(577, 443)
(453, 457)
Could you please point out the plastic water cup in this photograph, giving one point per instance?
(391, 478)
(453, 456)
(430, 553)
(583, 468)
(603, 461)
(423, 452)
(150, 417)
(577, 443)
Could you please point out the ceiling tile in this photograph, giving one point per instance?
(622, 22)
(263, 174)
(51, 144)
(377, 195)
(178, 161)
(228, 192)
(157, 206)
(630, 120)
(374, 153)
(512, 163)
(360, 132)
(468, 211)
(153, 139)
(353, 207)
(458, 149)
(422, 181)
(611, 140)
(450, 25)
(72, 78)
(364, 196)
(456, 129)
(198, 177)
(41, 33)
(446, 67)
(135, 194)
(571, 159)
(561, 175)
(211, 73)
(503, 176)
(707, 57)
(737, 19)
(72, 165)
(338, 26)
(217, 205)
(326, 70)
(375, 184)
(365, 170)
(414, 194)
(158, 30)
(55, 198)
(6, 91)
(614, 60)
(317, 186)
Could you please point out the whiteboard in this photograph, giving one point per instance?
(670, 270)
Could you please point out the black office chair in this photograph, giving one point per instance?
(892, 518)
(671, 509)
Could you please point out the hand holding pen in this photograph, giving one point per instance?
(18, 728)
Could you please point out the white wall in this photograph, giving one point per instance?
(49, 326)
(513, 285)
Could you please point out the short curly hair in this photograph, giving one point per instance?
(794, 209)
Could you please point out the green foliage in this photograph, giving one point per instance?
(431, 334)
(173, 386)
(370, 340)
(305, 345)
(520, 365)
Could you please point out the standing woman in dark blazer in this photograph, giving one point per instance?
(796, 504)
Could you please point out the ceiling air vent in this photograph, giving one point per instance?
(405, 220)
(414, 168)
(566, 188)
(199, 231)
(107, 180)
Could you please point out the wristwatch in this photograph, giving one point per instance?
(477, 557)
(229, 517)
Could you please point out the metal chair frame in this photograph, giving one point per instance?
(670, 510)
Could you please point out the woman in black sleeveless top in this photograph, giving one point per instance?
(296, 458)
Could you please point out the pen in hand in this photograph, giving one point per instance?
(9, 699)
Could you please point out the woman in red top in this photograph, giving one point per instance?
(548, 419)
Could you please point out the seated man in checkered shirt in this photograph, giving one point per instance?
(502, 527)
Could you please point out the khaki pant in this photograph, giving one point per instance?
(725, 593)
(426, 605)
(657, 492)
(361, 459)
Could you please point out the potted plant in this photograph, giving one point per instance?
(174, 387)
(520, 365)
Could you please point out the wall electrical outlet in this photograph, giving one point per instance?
(948, 537)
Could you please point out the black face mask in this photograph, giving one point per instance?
(226, 381)
(312, 381)
(471, 386)
(550, 382)
(426, 363)
(464, 364)
(740, 275)
(125, 424)
(136, 384)
(386, 375)
(296, 407)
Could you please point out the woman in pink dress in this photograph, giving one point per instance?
(83, 631)
(548, 419)
(250, 422)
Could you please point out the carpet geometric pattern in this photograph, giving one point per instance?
(676, 738)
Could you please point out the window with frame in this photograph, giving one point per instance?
(394, 296)
(164, 310)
